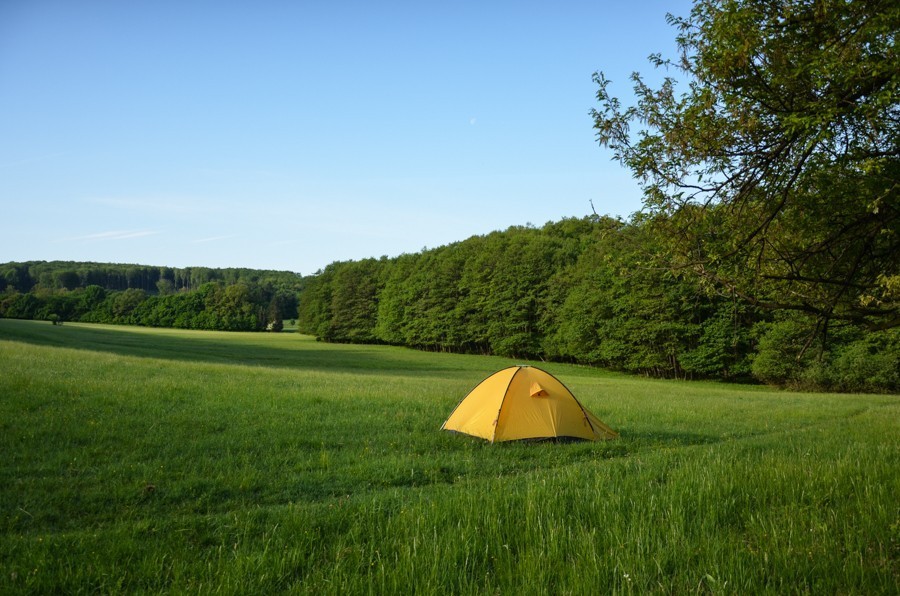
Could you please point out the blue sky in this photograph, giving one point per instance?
(287, 135)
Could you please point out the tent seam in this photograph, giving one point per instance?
(580, 407)
(502, 401)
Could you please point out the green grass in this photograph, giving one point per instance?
(139, 460)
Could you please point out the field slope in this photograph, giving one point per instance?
(139, 460)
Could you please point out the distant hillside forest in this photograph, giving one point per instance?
(187, 298)
(589, 291)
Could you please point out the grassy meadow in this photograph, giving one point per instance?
(148, 460)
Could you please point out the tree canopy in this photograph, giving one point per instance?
(588, 291)
(772, 165)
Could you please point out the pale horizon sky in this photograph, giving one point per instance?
(288, 135)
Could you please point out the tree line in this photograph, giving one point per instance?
(188, 298)
(589, 291)
(69, 275)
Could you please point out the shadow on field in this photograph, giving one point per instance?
(246, 348)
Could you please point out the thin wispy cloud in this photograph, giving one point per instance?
(111, 235)
(213, 239)
(159, 206)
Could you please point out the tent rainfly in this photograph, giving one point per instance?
(524, 402)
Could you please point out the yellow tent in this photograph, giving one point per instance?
(524, 402)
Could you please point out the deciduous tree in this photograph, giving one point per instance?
(773, 166)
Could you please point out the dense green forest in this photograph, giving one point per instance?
(587, 291)
(187, 298)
